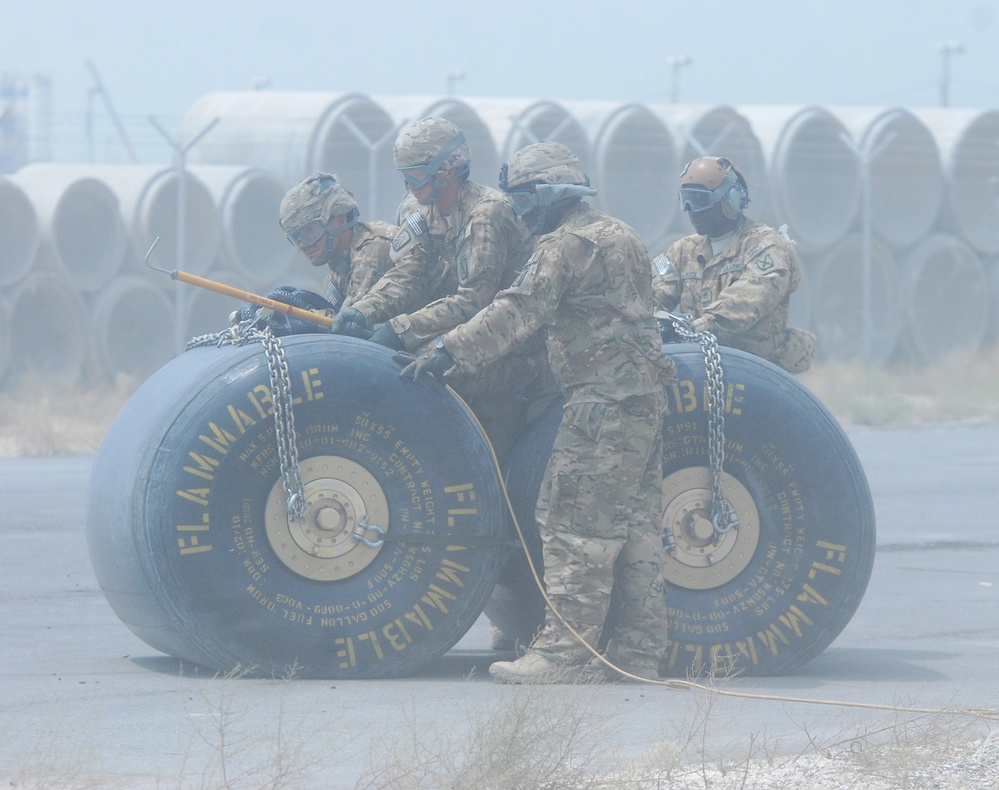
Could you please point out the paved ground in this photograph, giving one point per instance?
(83, 700)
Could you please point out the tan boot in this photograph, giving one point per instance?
(534, 668)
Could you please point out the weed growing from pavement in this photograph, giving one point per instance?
(548, 738)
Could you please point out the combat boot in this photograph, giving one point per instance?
(534, 668)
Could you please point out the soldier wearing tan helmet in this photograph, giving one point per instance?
(320, 218)
(587, 292)
(474, 246)
(734, 275)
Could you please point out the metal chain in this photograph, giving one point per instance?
(723, 515)
(239, 334)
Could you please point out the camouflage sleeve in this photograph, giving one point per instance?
(515, 315)
(369, 261)
(480, 265)
(762, 284)
(402, 288)
(665, 284)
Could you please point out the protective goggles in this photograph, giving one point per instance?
(524, 202)
(698, 198)
(311, 232)
(417, 177)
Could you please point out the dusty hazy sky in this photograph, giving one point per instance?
(158, 58)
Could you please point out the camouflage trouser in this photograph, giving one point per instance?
(598, 516)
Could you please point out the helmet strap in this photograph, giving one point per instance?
(333, 233)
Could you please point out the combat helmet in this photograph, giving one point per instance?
(709, 180)
(545, 178)
(306, 210)
(427, 147)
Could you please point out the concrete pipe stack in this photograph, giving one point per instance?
(895, 213)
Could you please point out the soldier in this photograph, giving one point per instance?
(472, 247)
(320, 218)
(587, 290)
(734, 275)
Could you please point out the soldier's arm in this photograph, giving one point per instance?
(402, 288)
(762, 285)
(514, 316)
(368, 263)
(480, 266)
(665, 284)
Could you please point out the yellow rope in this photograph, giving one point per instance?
(983, 713)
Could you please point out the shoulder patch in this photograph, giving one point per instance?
(402, 238)
(663, 265)
(522, 274)
(764, 263)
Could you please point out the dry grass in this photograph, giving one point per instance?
(960, 388)
(44, 418)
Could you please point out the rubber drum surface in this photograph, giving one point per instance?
(190, 539)
(771, 594)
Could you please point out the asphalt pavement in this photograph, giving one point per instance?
(83, 702)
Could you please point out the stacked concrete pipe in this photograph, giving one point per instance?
(132, 328)
(633, 164)
(80, 219)
(945, 299)
(49, 333)
(148, 197)
(969, 148)
(19, 231)
(905, 172)
(293, 134)
(4, 338)
(717, 130)
(814, 174)
(855, 314)
(515, 123)
(406, 109)
(247, 201)
(991, 265)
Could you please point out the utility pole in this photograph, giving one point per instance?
(946, 50)
(676, 64)
(98, 90)
(181, 155)
(453, 77)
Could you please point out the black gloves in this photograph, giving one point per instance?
(384, 335)
(434, 363)
(352, 323)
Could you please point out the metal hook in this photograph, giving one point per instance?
(149, 252)
(374, 528)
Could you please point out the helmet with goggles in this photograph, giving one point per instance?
(426, 147)
(541, 176)
(710, 180)
(306, 210)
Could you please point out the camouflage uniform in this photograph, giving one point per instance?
(367, 259)
(356, 253)
(587, 290)
(472, 254)
(739, 289)
(455, 271)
